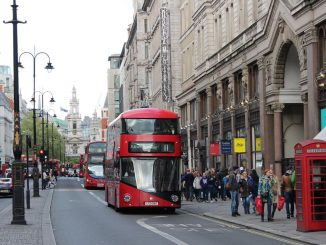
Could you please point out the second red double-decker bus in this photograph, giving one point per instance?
(93, 164)
(142, 163)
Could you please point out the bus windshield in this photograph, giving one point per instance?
(95, 170)
(151, 174)
(97, 147)
(163, 126)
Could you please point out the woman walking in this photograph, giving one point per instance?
(244, 191)
(266, 183)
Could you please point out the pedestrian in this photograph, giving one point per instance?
(220, 184)
(189, 182)
(44, 180)
(211, 185)
(288, 193)
(197, 186)
(204, 187)
(266, 183)
(234, 190)
(226, 184)
(276, 191)
(253, 186)
(244, 191)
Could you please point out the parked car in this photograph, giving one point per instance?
(6, 187)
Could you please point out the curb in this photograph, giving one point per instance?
(47, 231)
(258, 228)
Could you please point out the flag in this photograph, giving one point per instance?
(63, 109)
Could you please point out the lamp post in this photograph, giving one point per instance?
(18, 209)
(49, 67)
(47, 135)
(42, 113)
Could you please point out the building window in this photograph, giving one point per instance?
(239, 89)
(147, 77)
(203, 105)
(183, 115)
(146, 51)
(193, 111)
(145, 25)
(214, 105)
(116, 95)
(116, 79)
(74, 124)
(225, 94)
(253, 81)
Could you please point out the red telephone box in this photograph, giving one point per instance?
(310, 175)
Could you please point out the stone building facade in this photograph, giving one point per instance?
(74, 142)
(152, 66)
(254, 80)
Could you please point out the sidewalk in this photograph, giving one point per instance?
(281, 226)
(38, 230)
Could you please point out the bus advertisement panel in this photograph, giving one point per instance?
(93, 161)
(142, 164)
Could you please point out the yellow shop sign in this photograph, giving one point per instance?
(239, 145)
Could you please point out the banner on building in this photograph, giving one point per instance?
(215, 149)
(258, 144)
(226, 147)
(165, 55)
(239, 145)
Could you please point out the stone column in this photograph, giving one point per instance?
(219, 95)
(311, 40)
(267, 145)
(244, 83)
(188, 122)
(209, 124)
(232, 112)
(198, 163)
(278, 139)
(304, 98)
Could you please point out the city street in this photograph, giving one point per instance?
(81, 216)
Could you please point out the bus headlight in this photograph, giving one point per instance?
(174, 198)
(127, 197)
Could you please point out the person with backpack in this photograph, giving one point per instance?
(234, 190)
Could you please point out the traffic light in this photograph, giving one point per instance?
(42, 155)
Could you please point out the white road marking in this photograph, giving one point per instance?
(97, 198)
(221, 223)
(173, 239)
(5, 210)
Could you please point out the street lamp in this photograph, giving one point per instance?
(18, 209)
(47, 134)
(42, 111)
(49, 67)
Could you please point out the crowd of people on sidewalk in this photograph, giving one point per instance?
(238, 183)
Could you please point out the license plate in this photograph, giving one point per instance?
(100, 185)
(4, 191)
(151, 203)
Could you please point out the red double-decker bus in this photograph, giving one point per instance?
(93, 161)
(142, 165)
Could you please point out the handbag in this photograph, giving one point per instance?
(280, 204)
(259, 205)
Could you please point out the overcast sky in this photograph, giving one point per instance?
(78, 35)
